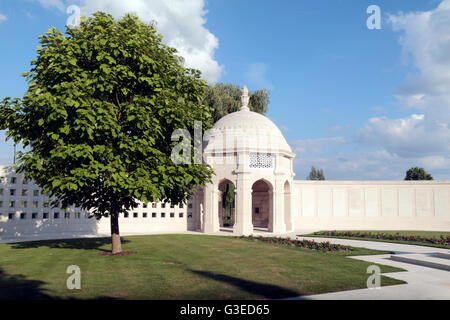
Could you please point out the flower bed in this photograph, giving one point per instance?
(306, 244)
(442, 240)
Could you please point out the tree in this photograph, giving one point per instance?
(226, 98)
(417, 173)
(320, 175)
(97, 118)
(316, 174)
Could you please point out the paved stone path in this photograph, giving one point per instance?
(423, 283)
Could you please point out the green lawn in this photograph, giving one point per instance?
(177, 267)
(423, 234)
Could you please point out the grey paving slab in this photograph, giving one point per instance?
(427, 260)
(443, 255)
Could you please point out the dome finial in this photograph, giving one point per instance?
(244, 99)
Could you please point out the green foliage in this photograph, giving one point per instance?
(427, 238)
(226, 98)
(316, 174)
(325, 246)
(97, 118)
(417, 174)
(228, 198)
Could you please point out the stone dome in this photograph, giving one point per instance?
(246, 130)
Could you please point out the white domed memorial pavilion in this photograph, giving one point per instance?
(248, 150)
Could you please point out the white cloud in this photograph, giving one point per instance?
(3, 18)
(407, 137)
(425, 41)
(434, 162)
(181, 22)
(29, 15)
(378, 109)
(49, 4)
(336, 128)
(373, 165)
(349, 166)
(315, 146)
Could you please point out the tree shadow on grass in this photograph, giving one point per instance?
(268, 291)
(18, 287)
(83, 243)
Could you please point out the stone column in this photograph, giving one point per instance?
(243, 225)
(211, 209)
(220, 210)
(271, 210)
(197, 210)
(288, 205)
(235, 210)
(243, 206)
(279, 225)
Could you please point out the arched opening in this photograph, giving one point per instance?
(262, 205)
(226, 204)
(287, 206)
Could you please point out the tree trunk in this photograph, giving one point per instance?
(115, 236)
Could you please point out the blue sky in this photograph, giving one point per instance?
(359, 103)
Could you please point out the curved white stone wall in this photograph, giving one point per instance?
(372, 205)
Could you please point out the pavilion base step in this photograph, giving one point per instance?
(431, 261)
(444, 255)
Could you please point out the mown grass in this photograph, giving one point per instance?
(408, 233)
(178, 267)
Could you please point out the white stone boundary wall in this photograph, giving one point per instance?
(372, 205)
(138, 221)
(24, 215)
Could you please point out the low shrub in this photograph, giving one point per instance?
(307, 244)
(442, 240)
